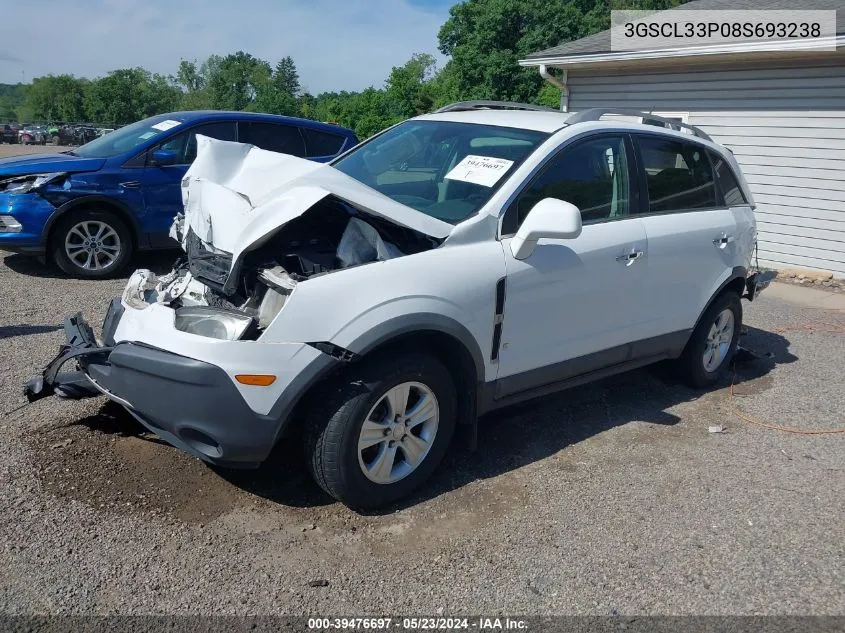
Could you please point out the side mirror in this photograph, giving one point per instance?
(549, 218)
(163, 158)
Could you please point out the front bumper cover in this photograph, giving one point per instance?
(188, 403)
(74, 385)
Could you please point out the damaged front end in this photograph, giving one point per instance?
(211, 299)
(256, 225)
(82, 347)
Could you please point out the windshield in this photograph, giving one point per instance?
(127, 138)
(444, 169)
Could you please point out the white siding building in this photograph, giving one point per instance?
(782, 113)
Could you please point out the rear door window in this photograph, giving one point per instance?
(184, 144)
(727, 181)
(319, 143)
(285, 139)
(678, 175)
(221, 130)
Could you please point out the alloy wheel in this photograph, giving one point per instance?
(718, 341)
(92, 245)
(398, 432)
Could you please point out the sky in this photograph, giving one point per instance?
(336, 44)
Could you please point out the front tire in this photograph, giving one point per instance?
(379, 431)
(713, 342)
(91, 244)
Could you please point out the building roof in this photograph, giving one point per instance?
(600, 42)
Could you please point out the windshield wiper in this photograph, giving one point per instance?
(70, 152)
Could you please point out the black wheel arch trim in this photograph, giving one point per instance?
(325, 365)
(401, 326)
(125, 214)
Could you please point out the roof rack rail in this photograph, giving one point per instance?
(464, 106)
(594, 114)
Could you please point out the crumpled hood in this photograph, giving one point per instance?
(46, 163)
(237, 196)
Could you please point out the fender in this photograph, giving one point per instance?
(398, 326)
(393, 329)
(738, 272)
(123, 210)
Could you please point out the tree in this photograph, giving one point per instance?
(443, 87)
(130, 94)
(57, 98)
(12, 98)
(286, 78)
(407, 86)
(486, 38)
(190, 77)
(272, 101)
(234, 81)
(278, 95)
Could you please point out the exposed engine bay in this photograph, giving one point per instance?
(331, 236)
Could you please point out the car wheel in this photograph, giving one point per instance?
(54, 140)
(91, 244)
(377, 432)
(713, 342)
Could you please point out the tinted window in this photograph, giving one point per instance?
(727, 181)
(285, 139)
(592, 175)
(679, 175)
(319, 143)
(221, 130)
(185, 144)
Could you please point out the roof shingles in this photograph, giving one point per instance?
(600, 42)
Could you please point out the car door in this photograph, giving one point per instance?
(692, 233)
(572, 305)
(161, 184)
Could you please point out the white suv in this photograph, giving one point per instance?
(455, 263)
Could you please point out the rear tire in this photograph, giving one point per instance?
(713, 342)
(91, 244)
(409, 405)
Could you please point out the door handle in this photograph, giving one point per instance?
(631, 257)
(723, 240)
(131, 184)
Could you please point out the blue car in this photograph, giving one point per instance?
(89, 209)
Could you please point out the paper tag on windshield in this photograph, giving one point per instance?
(165, 125)
(480, 170)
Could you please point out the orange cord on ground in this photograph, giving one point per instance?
(777, 427)
(833, 328)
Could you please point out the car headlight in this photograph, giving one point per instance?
(212, 322)
(25, 184)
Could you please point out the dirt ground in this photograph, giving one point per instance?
(7, 150)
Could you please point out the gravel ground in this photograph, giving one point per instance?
(611, 498)
(17, 150)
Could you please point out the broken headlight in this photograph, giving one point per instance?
(25, 184)
(212, 322)
(279, 286)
